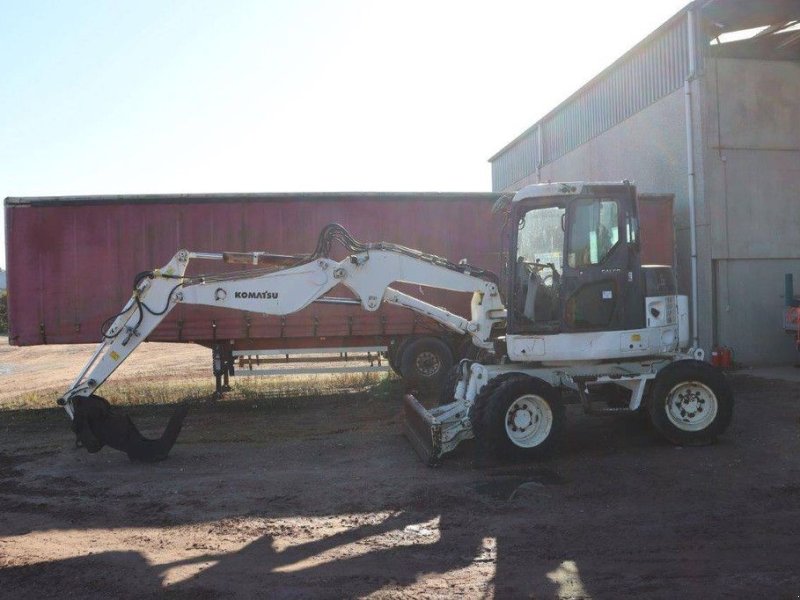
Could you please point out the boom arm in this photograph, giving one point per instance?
(368, 274)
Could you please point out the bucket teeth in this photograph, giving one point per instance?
(422, 430)
(97, 424)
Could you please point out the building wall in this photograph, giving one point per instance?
(752, 165)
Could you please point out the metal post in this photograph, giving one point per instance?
(216, 362)
(691, 174)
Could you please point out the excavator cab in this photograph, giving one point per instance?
(574, 264)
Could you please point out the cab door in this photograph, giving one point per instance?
(534, 270)
(599, 282)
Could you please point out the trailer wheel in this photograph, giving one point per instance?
(425, 362)
(399, 350)
(691, 403)
(391, 358)
(522, 418)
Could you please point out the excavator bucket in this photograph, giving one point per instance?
(96, 424)
(423, 430)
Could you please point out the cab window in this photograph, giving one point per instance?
(594, 232)
(541, 237)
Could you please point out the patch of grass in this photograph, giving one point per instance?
(148, 391)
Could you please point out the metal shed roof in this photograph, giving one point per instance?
(654, 67)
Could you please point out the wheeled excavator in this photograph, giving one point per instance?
(583, 321)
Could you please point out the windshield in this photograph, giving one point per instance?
(541, 237)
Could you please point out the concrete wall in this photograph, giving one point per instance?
(752, 182)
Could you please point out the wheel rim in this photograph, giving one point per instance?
(691, 406)
(428, 364)
(529, 420)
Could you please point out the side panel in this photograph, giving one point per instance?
(71, 264)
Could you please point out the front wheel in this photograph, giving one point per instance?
(691, 403)
(522, 418)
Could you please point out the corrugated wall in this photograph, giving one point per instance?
(652, 70)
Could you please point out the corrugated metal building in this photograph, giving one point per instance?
(706, 107)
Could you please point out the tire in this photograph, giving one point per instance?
(425, 362)
(519, 418)
(399, 349)
(447, 391)
(691, 403)
(478, 408)
(391, 358)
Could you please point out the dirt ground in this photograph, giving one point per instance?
(323, 498)
(33, 369)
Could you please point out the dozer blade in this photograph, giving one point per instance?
(423, 430)
(97, 424)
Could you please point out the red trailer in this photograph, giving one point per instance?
(72, 260)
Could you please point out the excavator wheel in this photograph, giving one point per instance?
(518, 418)
(478, 408)
(96, 424)
(691, 403)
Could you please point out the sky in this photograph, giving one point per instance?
(179, 96)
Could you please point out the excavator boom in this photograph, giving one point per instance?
(287, 285)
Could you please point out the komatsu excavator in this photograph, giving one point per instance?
(583, 321)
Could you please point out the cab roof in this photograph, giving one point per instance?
(571, 188)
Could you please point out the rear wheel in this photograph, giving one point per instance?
(520, 418)
(425, 362)
(691, 403)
